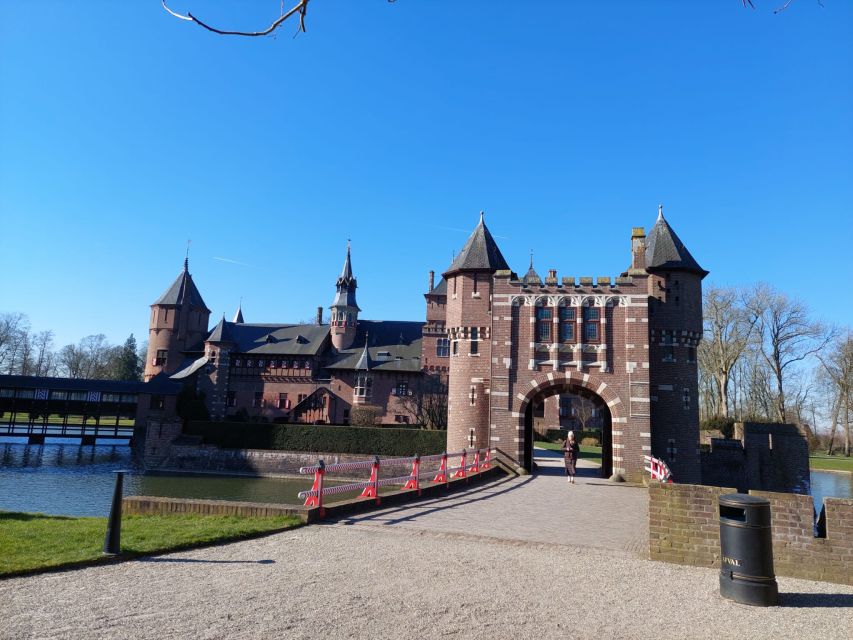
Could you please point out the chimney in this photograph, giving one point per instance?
(431, 280)
(638, 249)
(552, 277)
(319, 315)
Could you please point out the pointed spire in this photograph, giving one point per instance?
(182, 290)
(187, 258)
(363, 363)
(531, 277)
(480, 252)
(346, 285)
(666, 252)
(238, 317)
(482, 217)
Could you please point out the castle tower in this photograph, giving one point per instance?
(178, 322)
(469, 307)
(675, 329)
(344, 308)
(215, 385)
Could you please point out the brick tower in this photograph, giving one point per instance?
(344, 308)
(469, 306)
(178, 322)
(675, 329)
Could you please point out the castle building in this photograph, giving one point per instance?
(313, 373)
(502, 351)
(628, 344)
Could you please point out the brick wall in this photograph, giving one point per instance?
(684, 529)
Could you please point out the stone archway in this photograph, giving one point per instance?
(547, 384)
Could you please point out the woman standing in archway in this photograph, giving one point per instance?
(571, 449)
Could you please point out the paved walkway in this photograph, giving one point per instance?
(522, 558)
(541, 508)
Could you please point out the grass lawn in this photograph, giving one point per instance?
(33, 541)
(586, 450)
(831, 463)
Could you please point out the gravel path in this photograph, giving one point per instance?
(351, 582)
(520, 558)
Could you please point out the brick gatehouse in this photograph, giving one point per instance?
(628, 343)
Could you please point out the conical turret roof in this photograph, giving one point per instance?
(182, 290)
(346, 285)
(666, 252)
(479, 253)
(363, 363)
(531, 277)
(221, 332)
(238, 317)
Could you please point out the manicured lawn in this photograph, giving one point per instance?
(33, 541)
(586, 450)
(831, 463)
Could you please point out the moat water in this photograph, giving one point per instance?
(64, 478)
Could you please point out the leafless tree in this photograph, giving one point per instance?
(427, 404)
(14, 341)
(786, 336)
(728, 328)
(837, 364)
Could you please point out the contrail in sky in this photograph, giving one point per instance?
(244, 264)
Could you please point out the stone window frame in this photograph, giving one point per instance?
(442, 348)
(591, 323)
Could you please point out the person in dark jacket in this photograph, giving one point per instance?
(571, 449)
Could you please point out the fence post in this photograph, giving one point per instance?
(317, 501)
(441, 476)
(476, 467)
(414, 480)
(112, 540)
(461, 472)
(487, 463)
(372, 491)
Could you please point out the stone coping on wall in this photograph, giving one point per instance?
(684, 528)
(154, 505)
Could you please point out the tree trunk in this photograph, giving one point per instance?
(835, 411)
(847, 421)
(723, 390)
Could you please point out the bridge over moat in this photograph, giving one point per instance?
(40, 408)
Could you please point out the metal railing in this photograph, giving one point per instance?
(658, 469)
(481, 459)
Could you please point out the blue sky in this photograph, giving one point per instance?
(124, 132)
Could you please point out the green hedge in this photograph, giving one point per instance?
(319, 438)
(558, 435)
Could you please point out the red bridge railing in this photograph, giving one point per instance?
(470, 462)
(658, 469)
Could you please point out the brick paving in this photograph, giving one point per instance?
(542, 508)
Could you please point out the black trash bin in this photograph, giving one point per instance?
(746, 551)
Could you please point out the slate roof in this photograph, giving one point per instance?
(440, 289)
(183, 290)
(480, 252)
(401, 340)
(186, 372)
(346, 286)
(221, 332)
(275, 339)
(238, 317)
(666, 252)
(531, 277)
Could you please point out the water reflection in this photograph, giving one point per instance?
(829, 484)
(68, 479)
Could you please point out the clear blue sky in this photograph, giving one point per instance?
(124, 132)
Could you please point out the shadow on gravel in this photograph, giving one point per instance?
(816, 600)
(192, 560)
(382, 515)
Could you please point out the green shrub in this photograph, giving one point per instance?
(381, 441)
(559, 435)
(725, 426)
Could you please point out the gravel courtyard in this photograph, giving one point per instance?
(469, 567)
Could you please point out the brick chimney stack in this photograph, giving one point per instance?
(319, 315)
(431, 280)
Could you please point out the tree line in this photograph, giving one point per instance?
(764, 357)
(26, 352)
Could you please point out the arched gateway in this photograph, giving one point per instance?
(628, 342)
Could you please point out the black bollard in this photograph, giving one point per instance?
(112, 541)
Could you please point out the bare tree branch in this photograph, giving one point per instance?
(301, 7)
